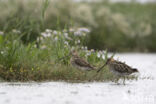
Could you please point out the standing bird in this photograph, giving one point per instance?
(80, 63)
(118, 68)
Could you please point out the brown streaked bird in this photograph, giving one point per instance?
(80, 63)
(118, 68)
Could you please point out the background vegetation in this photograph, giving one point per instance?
(115, 26)
(40, 60)
(34, 34)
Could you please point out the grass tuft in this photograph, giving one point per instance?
(29, 51)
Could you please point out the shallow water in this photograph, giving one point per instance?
(142, 91)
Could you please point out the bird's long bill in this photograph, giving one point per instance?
(101, 68)
(63, 57)
(113, 55)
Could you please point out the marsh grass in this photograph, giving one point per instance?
(20, 62)
(30, 52)
(27, 63)
(59, 73)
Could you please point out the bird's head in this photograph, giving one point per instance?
(73, 53)
(109, 60)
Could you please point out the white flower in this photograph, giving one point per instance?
(82, 47)
(55, 32)
(84, 30)
(44, 34)
(88, 53)
(66, 43)
(69, 38)
(92, 50)
(41, 38)
(98, 55)
(71, 30)
(78, 41)
(48, 31)
(81, 31)
(72, 48)
(77, 33)
(16, 31)
(103, 56)
(35, 46)
(66, 35)
(56, 38)
(49, 34)
(2, 52)
(38, 39)
(85, 48)
(1, 33)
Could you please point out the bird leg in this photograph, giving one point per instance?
(117, 79)
(124, 80)
(113, 79)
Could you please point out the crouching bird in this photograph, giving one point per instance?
(118, 68)
(79, 62)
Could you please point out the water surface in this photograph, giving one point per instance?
(142, 91)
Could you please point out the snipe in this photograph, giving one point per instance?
(79, 62)
(118, 68)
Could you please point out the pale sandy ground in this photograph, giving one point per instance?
(142, 91)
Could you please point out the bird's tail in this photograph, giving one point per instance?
(135, 70)
(93, 68)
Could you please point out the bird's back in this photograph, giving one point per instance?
(81, 63)
(121, 68)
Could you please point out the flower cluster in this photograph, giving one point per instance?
(81, 32)
(71, 39)
(16, 31)
(1, 33)
(98, 54)
(67, 35)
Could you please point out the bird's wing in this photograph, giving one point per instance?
(82, 62)
(121, 67)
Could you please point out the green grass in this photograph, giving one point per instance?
(29, 62)
(131, 26)
(114, 26)
(26, 62)
(32, 42)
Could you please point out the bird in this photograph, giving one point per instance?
(118, 68)
(79, 62)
